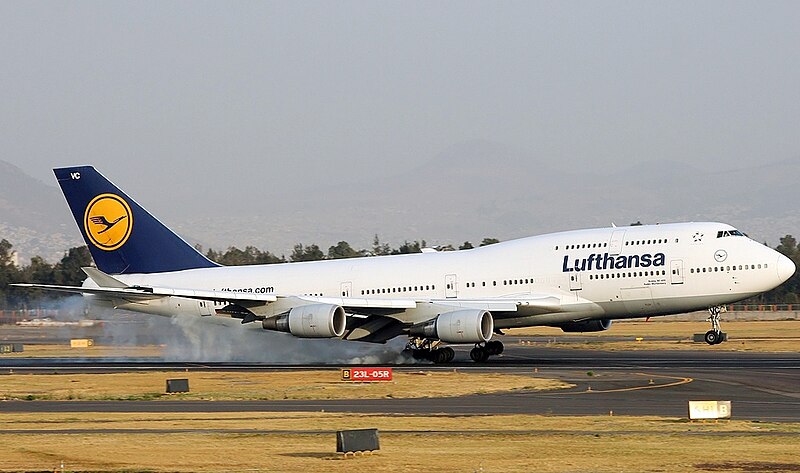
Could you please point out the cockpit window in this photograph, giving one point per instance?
(727, 233)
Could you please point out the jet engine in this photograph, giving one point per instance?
(460, 326)
(586, 326)
(310, 321)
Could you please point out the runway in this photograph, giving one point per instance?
(761, 386)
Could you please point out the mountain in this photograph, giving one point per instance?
(34, 216)
(482, 189)
(27, 202)
(471, 190)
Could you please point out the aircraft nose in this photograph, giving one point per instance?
(786, 268)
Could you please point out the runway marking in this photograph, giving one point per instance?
(679, 382)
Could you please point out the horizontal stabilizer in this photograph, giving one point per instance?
(150, 293)
(102, 279)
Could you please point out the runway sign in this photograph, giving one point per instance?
(81, 343)
(709, 410)
(177, 386)
(12, 348)
(366, 375)
(361, 440)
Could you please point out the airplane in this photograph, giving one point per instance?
(577, 280)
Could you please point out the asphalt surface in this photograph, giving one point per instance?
(761, 386)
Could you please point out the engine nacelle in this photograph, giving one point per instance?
(586, 326)
(310, 321)
(460, 326)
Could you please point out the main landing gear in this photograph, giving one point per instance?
(430, 350)
(715, 335)
(483, 351)
(424, 349)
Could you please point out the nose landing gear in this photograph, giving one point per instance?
(715, 335)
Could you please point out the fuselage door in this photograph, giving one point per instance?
(450, 286)
(347, 289)
(676, 271)
(615, 245)
(205, 307)
(575, 281)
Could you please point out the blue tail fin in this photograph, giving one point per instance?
(122, 236)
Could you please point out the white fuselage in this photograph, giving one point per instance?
(606, 273)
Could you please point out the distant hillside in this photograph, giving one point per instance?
(25, 201)
(34, 216)
(479, 188)
(472, 190)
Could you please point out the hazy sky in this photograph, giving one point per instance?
(229, 100)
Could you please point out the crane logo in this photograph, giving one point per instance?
(108, 221)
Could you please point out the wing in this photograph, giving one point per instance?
(373, 320)
(513, 306)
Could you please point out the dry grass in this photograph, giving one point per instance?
(305, 442)
(321, 384)
(97, 351)
(761, 336)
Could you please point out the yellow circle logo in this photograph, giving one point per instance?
(108, 221)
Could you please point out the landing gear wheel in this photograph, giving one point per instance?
(495, 347)
(479, 354)
(442, 355)
(451, 354)
(447, 355)
(713, 337)
(421, 354)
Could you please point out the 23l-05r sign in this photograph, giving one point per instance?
(367, 375)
